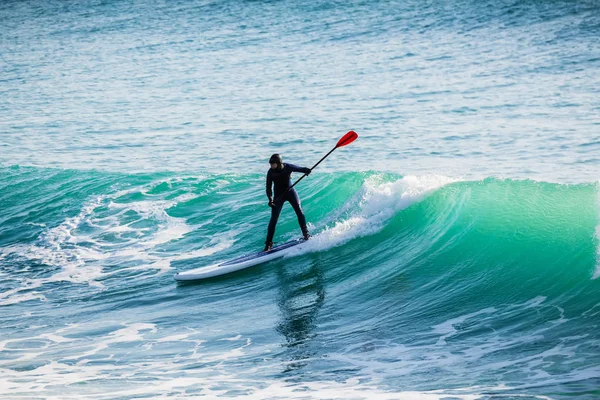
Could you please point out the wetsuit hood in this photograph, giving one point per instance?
(276, 158)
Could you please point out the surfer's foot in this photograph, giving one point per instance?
(307, 235)
(268, 246)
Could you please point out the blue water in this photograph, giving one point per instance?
(455, 251)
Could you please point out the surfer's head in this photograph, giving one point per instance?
(276, 161)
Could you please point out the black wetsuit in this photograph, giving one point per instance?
(281, 179)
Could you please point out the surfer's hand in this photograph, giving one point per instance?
(271, 204)
(308, 171)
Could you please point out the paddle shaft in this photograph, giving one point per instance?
(303, 176)
(313, 167)
(348, 138)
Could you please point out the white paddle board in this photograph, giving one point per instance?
(239, 263)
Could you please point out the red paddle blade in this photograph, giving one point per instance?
(348, 138)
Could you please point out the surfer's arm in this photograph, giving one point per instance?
(269, 187)
(296, 168)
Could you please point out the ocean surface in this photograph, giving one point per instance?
(456, 243)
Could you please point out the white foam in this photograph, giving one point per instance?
(131, 333)
(56, 338)
(80, 255)
(173, 338)
(186, 197)
(35, 224)
(447, 329)
(20, 298)
(13, 297)
(533, 303)
(591, 313)
(376, 203)
(143, 375)
(470, 350)
(169, 228)
(98, 348)
(55, 247)
(232, 339)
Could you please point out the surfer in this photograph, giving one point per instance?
(279, 175)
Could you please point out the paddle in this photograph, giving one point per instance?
(348, 138)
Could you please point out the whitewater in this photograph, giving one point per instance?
(456, 244)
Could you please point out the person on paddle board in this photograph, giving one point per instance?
(279, 175)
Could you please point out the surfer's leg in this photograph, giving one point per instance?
(295, 202)
(275, 211)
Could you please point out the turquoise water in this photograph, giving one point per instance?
(455, 251)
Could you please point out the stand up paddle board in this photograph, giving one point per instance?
(239, 263)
